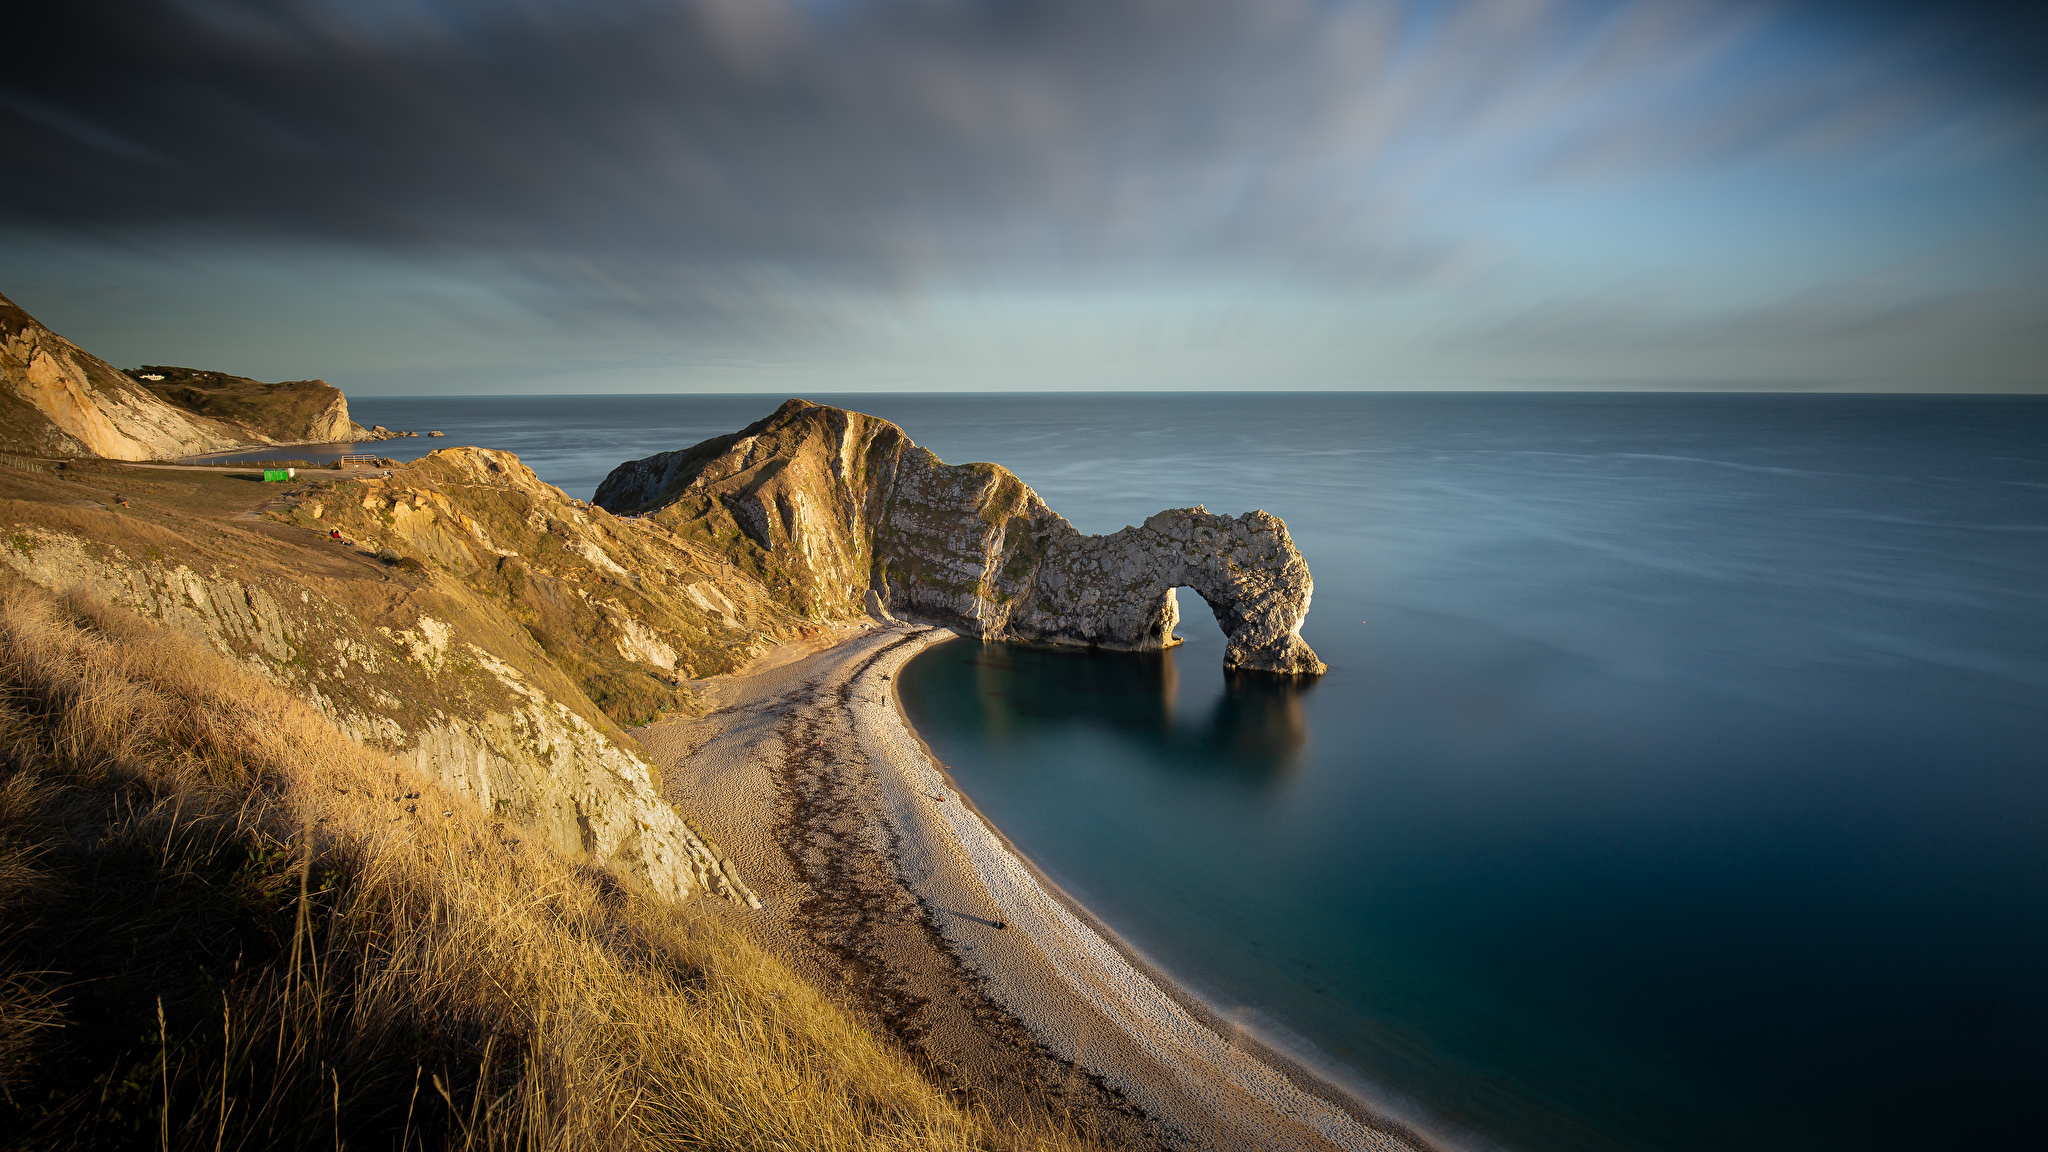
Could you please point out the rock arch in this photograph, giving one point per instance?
(1114, 591)
(848, 516)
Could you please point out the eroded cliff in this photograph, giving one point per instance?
(840, 512)
(56, 399)
(423, 658)
(287, 412)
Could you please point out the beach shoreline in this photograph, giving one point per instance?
(1305, 1071)
(1130, 1054)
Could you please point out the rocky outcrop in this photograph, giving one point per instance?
(835, 507)
(56, 399)
(504, 636)
(289, 412)
(1105, 591)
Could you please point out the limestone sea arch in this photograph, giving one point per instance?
(845, 513)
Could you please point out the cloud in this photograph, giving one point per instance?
(770, 157)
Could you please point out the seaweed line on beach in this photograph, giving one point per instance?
(858, 912)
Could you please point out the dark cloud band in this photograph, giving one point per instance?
(702, 149)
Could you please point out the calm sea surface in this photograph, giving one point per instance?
(1680, 780)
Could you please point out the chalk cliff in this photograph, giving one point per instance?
(288, 412)
(56, 399)
(841, 511)
(479, 623)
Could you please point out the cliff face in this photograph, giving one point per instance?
(290, 412)
(56, 399)
(436, 655)
(842, 512)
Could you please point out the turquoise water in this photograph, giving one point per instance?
(1677, 784)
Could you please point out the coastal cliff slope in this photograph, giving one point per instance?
(58, 400)
(287, 412)
(477, 624)
(229, 926)
(841, 511)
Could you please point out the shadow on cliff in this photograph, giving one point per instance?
(1253, 729)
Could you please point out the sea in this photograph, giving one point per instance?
(1680, 779)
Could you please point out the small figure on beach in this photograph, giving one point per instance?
(1001, 924)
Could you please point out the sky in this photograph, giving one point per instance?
(818, 196)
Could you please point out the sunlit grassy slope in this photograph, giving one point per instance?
(224, 925)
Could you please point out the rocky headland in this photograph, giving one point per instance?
(847, 513)
(58, 400)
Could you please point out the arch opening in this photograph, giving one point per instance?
(1182, 628)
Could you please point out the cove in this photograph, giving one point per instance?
(1675, 783)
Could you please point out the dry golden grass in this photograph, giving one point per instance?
(228, 926)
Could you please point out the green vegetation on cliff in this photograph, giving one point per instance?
(630, 609)
(407, 639)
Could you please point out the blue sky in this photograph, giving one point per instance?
(766, 195)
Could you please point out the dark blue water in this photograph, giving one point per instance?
(1678, 782)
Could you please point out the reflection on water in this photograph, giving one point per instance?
(1255, 726)
(1260, 718)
